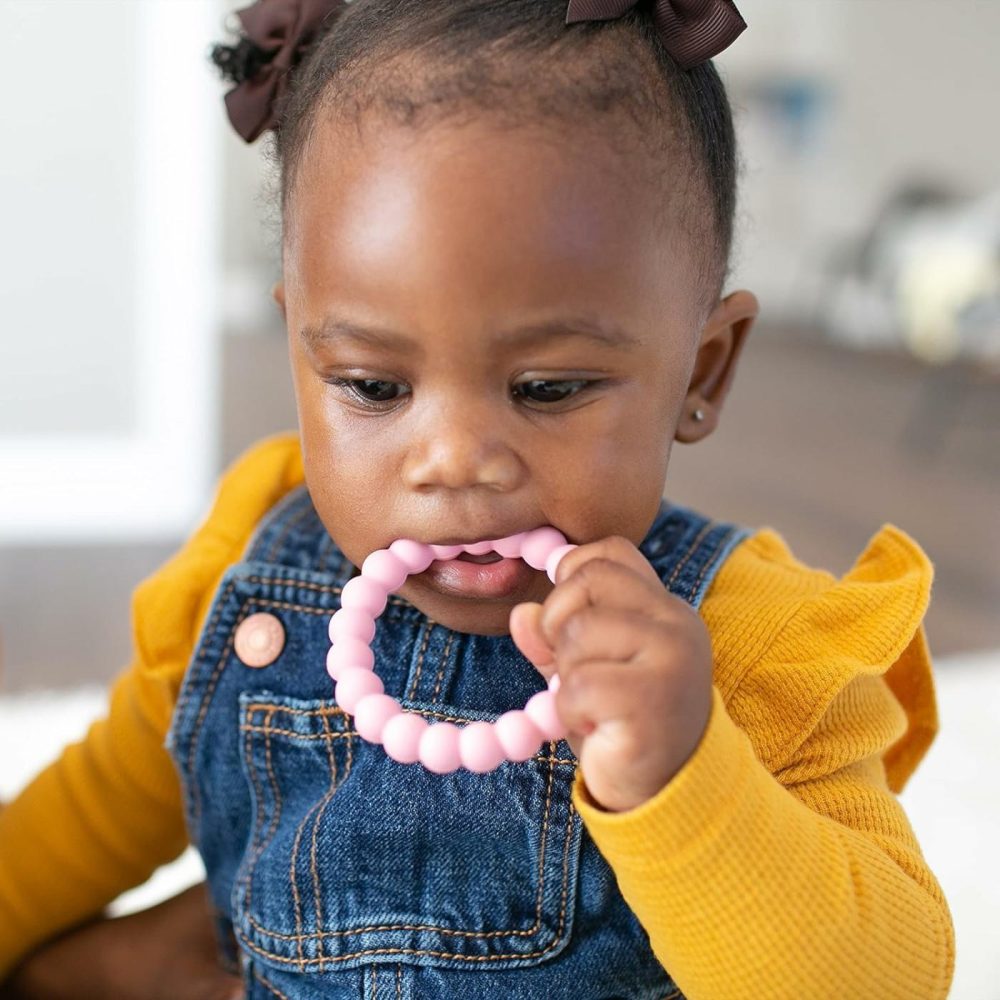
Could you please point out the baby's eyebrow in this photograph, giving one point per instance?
(334, 328)
(609, 334)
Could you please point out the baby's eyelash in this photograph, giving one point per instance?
(369, 392)
(549, 392)
(384, 394)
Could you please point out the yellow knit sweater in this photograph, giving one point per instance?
(776, 864)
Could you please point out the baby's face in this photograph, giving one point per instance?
(488, 333)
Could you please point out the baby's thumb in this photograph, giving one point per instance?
(526, 631)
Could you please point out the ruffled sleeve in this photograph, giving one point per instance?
(828, 635)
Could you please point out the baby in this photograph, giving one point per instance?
(506, 234)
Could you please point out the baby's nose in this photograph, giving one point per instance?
(459, 454)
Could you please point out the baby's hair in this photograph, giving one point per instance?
(417, 62)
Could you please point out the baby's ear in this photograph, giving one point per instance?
(278, 294)
(722, 339)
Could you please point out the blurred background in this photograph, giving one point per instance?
(140, 351)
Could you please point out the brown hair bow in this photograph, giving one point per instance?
(284, 29)
(692, 31)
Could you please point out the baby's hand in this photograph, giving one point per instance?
(635, 669)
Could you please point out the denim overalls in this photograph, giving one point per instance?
(344, 874)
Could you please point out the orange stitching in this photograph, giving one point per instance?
(213, 680)
(291, 732)
(541, 851)
(268, 986)
(294, 881)
(317, 888)
(420, 657)
(401, 951)
(287, 527)
(272, 826)
(258, 794)
(542, 756)
(441, 665)
(325, 556)
(322, 935)
(267, 730)
(399, 982)
(206, 697)
(266, 602)
(268, 706)
(710, 562)
(320, 588)
(567, 836)
(442, 954)
(690, 552)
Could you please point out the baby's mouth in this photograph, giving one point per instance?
(489, 576)
(490, 557)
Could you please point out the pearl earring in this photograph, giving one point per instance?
(699, 415)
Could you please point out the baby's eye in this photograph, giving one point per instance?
(377, 390)
(371, 391)
(543, 390)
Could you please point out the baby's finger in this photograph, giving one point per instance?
(600, 691)
(614, 549)
(525, 630)
(611, 585)
(628, 637)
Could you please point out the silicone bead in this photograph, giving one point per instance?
(332, 668)
(385, 568)
(352, 622)
(541, 709)
(401, 736)
(365, 594)
(372, 713)
(415, 556)
(510, 547)
(349, 652)
(555, 557)
(353, 684)
(439, 748)
(479, 748)
(478, 548)
(539, 544)
(445, 552)
(518, 735)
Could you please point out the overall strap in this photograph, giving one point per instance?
(687, 549)
(292, 534)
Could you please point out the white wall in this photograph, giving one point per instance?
(109, 269)
(915, 89)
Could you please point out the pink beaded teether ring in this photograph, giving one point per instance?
(406, 736)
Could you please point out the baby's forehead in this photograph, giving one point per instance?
(568, 187)
(479, 204)
(470, 225)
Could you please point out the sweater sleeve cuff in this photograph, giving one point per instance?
(701, 798)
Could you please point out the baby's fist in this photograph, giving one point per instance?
(635, 669)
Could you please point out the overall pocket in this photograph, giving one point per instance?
(354, 858)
